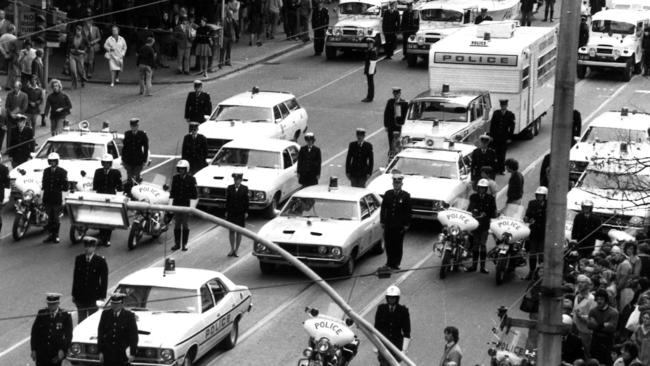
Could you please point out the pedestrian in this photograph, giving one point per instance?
(9, 50)
(548, 10)
(584, 302)
(585, 229)
(484, 208)
(184, 37)
(526, 10)
(146, 62)
(410, 25)
(370, 69)
(255, 25)
(38, 69)
(390, 27)
(602, 321)
(583, 35)
(629, 355)
(203, 50)
(89, 279)
(117, 331)
(107, 180)
(544, 170)
(77, 49)
(93, 36)
(54, 182)
(576, 129)
(58, 106)
(393, 321)
(395, 219)
(5, 184)
(309, 162)
(502, 126)
(359, 160)
(135, 151)
(198, 104)
(291, 18)
(484, 16)
(536, 219)
(304, 13)
(482, 156)
(115, 47)
(452, 352)
(51, 333)
(34, 101)
(273, 8)
(15, 106)
(320, 20)
(22, 142)
(236, 210)
(195, 148)
(641, 337)
(25, 59)
(229, 36)
(515, 183)
(395, 114)
(183, 190)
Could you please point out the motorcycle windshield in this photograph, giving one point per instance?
(513, 210)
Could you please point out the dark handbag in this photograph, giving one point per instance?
(529, 305)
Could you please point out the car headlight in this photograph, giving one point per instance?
(330, 29)
(419, 40)
(336, 251)
(360, 32)
(322, 250)
(323, 345)
(167, 354)
(592, 52)
(150, 353)
(338, 31)
(75, 349)
(440, 205)
(92, 349)
(617, 53)
(28, 195)
(454, 230)
(572, 165)
(406, 140)
(412, 38)
(257, 195)
(261, 248)
(205, 190)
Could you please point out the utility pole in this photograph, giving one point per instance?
(549, 326)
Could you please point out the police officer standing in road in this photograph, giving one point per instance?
(198, 104)
(586, 229)
(536, 219)
(55, 182)
(395, 114)
(309, 162)
(107, 181)
(236, 210)
(393, 320)
(195, 149)
(483, 207)
(22, 142)
(51, 333)
(576, 128)
(116, 332)
(502, 125)
(482, 156)
(182, 191)
(390, 27)
(482, 17)
(359, 161)
(320, 19)
(395, 218)
(135, 152)
(410, 25)
(370, 69)
(89, 279)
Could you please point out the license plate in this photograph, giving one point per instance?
(583, 57)
(412, 46)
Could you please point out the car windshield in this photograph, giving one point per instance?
(425, 167)
(607, 134)
(607, 26)
(247, 157)
(321, 208)
(70, 150)
(358, 9)
(594, 179)
(441, 15)
(436, 110)
(151, 298)
(242, 113)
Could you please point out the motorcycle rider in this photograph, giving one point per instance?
(55, 182)
(536, 218)
(483, 207)
(394, 322)
(108, 181)
(182, 191)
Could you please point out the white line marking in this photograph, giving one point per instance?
(238, 262)
(157, 165)
(642, 91)
(158, 156)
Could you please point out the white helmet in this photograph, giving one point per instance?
(107, 158)
(541, 190)
(53, 156)
(483, 183)
(183, 164)
(587, 203)
(393, 291)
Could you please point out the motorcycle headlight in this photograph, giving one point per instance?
(336, 251)
(75, 349)
(454, 230)
(29, 195)
(260, 248)
(441, 237)
(592, 52)
(617, 53)
(506, 237)
(167, 354)
(323, 345)
(307, 352)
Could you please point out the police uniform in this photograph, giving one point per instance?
(107, 181)
(320, 19)
(197, 106)
(394, 116)
(183, 190)
(481, 204)
(89, 283)
(394, 324)
(22, 145)
(410, 25)
(5, 183)
(309, 164)
(195, 151)
(395, 218)
(585, 231)
(135, 151)
(502, 126)
(371, 56)
(51, 333)
(359, 162)
(480, 158)
(576, 129)
(116, 332)
(390, 27)
(536, 212)
(237, 204)
(55, 182)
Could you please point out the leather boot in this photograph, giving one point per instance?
(483, 257)
(55, 233)
(177, 239)
(186, 236)
(472, 268)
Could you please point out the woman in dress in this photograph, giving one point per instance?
(203, 45)
(115, 47)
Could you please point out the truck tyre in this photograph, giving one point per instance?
(330, 52)
(582, 71)
(639, 67)
(528, 133)
(628, 71)
(20, 226)
(411, 60)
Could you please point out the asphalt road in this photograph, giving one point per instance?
(272, 333)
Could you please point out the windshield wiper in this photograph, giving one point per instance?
(229, 120)
(342, 218)
(259, 120)
(177, 311)
(139, 309)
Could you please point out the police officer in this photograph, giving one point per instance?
(116, 332)
(536, 219)
(236, 210)
(410, 25)
(359, 161)
(55, 182)
(576, 128)
(482, 17)
(395, 218)
(135, 151)
(51, 333)
(370, 69)
(585, 229)
(89, 279)
(392, 320)
(320, 19)
(483, 207)
(390, 27)
(502, 125)
(394, 114)
(198, 104)
(195, 149)
(107, 181)
(482, 156)
(309, 162)
(583, 32)
(646, 50)
(5, 183)
(182, 191)
(22, 142)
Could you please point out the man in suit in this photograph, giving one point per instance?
(410, 25)
(195, 148)
(586, 229)
(502, 125)
(55, 182)
(370, 69)
(198, 104)
(395, 218)
(395, 114)
(51, 333)
(22, 142)
(89, 279)
(183, 190)
(484, 208)
(236, 210)
(390, 27)
(320, 19)
(135, 151)
(117, 331)
(15, 105)
(359, 161)
(393, 320)
(309, 162)
(107, 181)
(184, 38)
(536, 219)
(482, 156)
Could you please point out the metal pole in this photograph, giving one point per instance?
(361, 322)
(549, 345)
(16, 17)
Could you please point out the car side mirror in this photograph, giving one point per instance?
(32, 154)
(382, 169)
(576, 138)
(278, 120)
(206, 117)
(100, 303)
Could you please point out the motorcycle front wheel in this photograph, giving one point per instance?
(20, 226)
(501, 270)
(77, 234)
(445, 264)
(135, 234)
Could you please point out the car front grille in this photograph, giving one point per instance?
(300, 249)
(213, 193)
(349, 31)
(421, 204)
(431, 39)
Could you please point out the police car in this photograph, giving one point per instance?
(256, 113)
(436, 175)
(324, 226)
(268, 166)
(181, 316)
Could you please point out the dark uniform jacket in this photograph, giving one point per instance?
(183, 190)
(309, 162)
(396, 325)
(371, 55)
(4, 181)
(480, 159)
(51, 334)
(527, 5)
(391, 122)
(479, 205)
(22, 145)
(108, 183)
(515, 187)
(396, 209)
(543, 175)
(115, 334)
(502, 125)
(583, 36)
(537, 211)
(197, 106)
(195, 151)
(576, 128)
(359, 160)
(585, 230)
(54, 184)
(410, 21)
(320, 19)
(480, 19)
(390, 22)
(136, 148)
(237, 201)
(90, 279)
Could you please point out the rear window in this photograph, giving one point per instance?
(292, 104)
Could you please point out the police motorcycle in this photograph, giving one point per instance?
(153, 223)
(331, 341)
(85, 184)
(505, 349)
(29, 208)
(455, 239)
(509, 232)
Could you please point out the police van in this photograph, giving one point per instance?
(511, 62)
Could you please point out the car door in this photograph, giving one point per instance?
(298, 114)
(281, 133)
(374, 205)
(476, 116)
(210, 319)
(225, 304)
(116, 151)
(288, 178)
(293, 182)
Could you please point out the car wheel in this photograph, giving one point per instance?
(296, 135)
(629, 71)
(330, 53)
(348, 268)
(378, 248)
(270, 212)
(267, 268)
(188, 361)
(77, 234)
(582, 72)
(538, 126)
(411, 60)
(528, 133)
(231, 340)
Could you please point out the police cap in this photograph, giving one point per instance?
(52, 297)
(237, 176)
(90, 241)
(398, 177)
(397, 89)
(503, 101)
(198, 82)
(193, 126)
(309, 136)
(118, 297)
(361, 131)
(485, 137)
(134, 121)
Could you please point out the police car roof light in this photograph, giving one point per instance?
(624, 112)
(486, 36)
(445, 88)
(170, 266)
(334, 183)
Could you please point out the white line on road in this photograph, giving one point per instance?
(158, 156)
(642, 91)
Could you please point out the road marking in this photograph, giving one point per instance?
(158, 156)
(642, 91)
(238, 262)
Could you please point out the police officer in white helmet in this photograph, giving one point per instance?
(55, 182)
(107, 181)
(394, 322)
(182, 191)
(586, 229)
(536, 218)
(483, 207)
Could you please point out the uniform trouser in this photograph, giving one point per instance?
(133, 171)
(181, 230)
(44, 358)
(85, 309)
(53, 218)
(550, 4)
(535, 252)
(405, 42)
(370, 78)
(500, 148)
(646, 61)
(389, 47)
(394, 241)
(358, 181)
(319, 40)
(105, 235)
(224, 54)
(479, 250)
(526, 17)
(183, 57)
(145, 79)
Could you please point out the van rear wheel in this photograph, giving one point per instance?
(629, 71)
(582, 71)
(411, 60)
